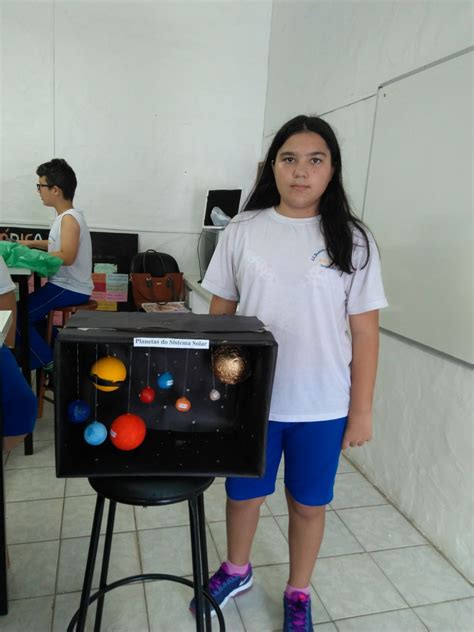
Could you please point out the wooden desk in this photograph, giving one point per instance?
(5, 322)
(22, 277)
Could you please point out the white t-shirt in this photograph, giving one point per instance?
(76, 277)
(276, 267)
(6, 283)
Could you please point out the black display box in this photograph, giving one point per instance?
(226, 437)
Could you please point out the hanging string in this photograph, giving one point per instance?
(95, 389)
(77, 369)
(130, 378)
(148, 368)
(212, 369)
(185, 372)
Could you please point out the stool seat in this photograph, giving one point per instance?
(150, 490)
(72, 309)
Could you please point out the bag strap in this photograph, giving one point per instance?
(160, 258)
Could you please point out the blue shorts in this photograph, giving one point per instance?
(311, 450)
(17, 400)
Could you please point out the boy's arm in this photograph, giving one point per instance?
(70, 234)
(8, 301)
(365, 349)
(41, 244)
(221, 306)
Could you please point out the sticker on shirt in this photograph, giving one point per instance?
(321, 270)
(321, 258)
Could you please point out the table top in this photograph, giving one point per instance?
(20, 271)
(6, 317)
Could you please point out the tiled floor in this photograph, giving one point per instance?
(375, 572)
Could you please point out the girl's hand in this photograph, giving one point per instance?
(358, 430)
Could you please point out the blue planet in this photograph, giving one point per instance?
(165, 380)
(78, 411)
(95, 433)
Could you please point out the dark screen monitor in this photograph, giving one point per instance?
(227, 200)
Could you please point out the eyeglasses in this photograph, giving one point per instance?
(49, 186)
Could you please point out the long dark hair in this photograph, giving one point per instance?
(337, 220)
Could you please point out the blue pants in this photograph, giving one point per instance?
(17, 400)
(40, 303)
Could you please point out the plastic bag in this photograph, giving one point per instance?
(218, 217)
(18, 256)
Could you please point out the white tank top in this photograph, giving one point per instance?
(77, 276)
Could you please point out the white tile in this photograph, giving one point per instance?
(353, 490)
(124, 611)
(78, 487)
(34, 520)
(43, 456)
(173, 515)
(325, 627)
(168, 609)
(48, 412)
(168, 550)
(261, 607)
(79, 513)
(353, 585)
(277, 501)
(444, 616)
(32, 569)
(33, 484)
(422, 575)
(337, 540)
(281, 469)
(381, 527)
(269, 546)
(345, 466)
(28, 614)
(124, 560)
(400, 620)
(44, 430)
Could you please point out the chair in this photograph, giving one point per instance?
(148, 491)
(66, 313)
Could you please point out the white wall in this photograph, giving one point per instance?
(330, 57)
(152, 103)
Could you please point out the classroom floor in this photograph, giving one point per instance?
(375, 571)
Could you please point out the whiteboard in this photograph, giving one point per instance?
(418, 204)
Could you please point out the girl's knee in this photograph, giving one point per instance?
(308, 512)
(245, 505)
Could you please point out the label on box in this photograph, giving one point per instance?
(171, 343)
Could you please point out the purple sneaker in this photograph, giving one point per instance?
(223, 586)
(297, 613)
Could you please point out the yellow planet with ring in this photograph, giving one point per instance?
(108, 373)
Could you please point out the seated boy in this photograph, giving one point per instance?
(69, 239)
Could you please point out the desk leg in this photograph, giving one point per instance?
(25, 344)
(3, 536)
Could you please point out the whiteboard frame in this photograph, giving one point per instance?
(397, 319)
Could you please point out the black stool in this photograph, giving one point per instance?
(148, 491)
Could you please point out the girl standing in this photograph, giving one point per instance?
(300, 261)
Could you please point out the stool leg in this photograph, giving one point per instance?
(205, 566)
(105, 563)
(197, 562)
(91, 557)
